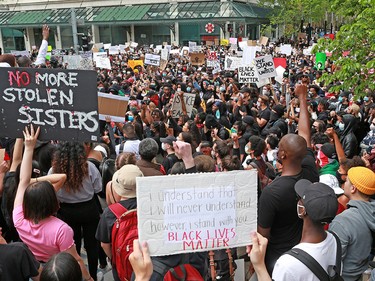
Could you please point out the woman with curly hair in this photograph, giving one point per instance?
(78, 202)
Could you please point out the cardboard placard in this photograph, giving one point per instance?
(103, 63)
(197, 212)
(233, 41)
(263, 40)
(286, 49)
(113, 106)
(224, 42)
(197, 58)
(232, 63)
(114, 50)
(62, 102)
(133, 45)
(177, 107)
(247, 74)
(107, 46)
(251, 42)
(265, 66)
(216, 41)
(163, 64)
(20, 53)
(301, 35)
(192, 46)
(99, 55)
(152, 59)
(134, 63)
(248, 55)
(164, 54)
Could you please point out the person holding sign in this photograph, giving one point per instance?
(34, 207)
(278, 220)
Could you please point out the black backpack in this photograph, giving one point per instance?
(315, 267)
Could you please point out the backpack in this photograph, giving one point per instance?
(222, 264)
(315, 267)
(181, 272)
(124, 231)
(107, 168)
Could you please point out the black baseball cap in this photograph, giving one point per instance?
(168, 139)
(319, 199)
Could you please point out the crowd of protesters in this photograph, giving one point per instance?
(313, 148)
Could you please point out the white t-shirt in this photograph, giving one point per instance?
(288, 268)
(129, 146)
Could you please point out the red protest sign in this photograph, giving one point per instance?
(279, 61)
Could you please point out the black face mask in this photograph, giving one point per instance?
(339, 178)
(313, 130)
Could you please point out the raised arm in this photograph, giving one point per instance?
(57, 180)
(338, 146)
(30, 137)
(17, 154)
(304, 120)
(41, 58)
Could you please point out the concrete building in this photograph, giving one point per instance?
(120, 21)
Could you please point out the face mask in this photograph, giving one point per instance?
(164, 74)
(222, 89)
(339, 178)
(313, 130)
(188, 89)
(297, 109)
(302, 214)
(372, 127)
(163, 146)
(258, 104)
(217, 114)
(213, 154)
(340, 99)
(130, 118)
(366, 99)
(341, 126)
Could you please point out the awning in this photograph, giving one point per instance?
(136, 14)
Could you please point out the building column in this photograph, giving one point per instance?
(95, 33)
(258, 35)
(132, 35)
(29, 38)
(58, 42)
(176, 37)
(1, 41)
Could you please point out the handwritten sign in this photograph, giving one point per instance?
(192, 46)
(232, 63)
(152, 59)
(197, 58)
(286, 49)
(134, 63)
(197, 212)
(265, 67)
(103, 63)
(247, 74)
(112, 105)
(62, 102)
(177, 106)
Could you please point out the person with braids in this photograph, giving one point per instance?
(78, 202)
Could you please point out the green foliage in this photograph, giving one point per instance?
(355, 71)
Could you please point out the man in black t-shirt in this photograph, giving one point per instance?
(278, 220)
(264, 112)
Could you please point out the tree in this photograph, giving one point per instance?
(356, 70)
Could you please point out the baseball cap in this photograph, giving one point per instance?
(332, 182)
(124, 180)
(168, 139)
(329, 150)
(319, 199)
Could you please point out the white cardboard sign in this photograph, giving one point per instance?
(152, 59)
(177, 106)
(232, 63)
(197, 212)
(247, 74)
(286, 49)
(265, 66)
(103, 63)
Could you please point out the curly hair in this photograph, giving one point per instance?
(70, 159)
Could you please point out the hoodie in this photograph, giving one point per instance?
(354, 227)
(348, 139)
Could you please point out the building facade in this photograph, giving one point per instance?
(119, 21)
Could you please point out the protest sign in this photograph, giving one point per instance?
(99, 55)
(265, 66)
(98, 46)
(279, 74)
(232, 63)
(224, 42)
(211, 63)
(174, 52)
(301, 35)
(114, 50)
(192, 46)
(62, 102)
(233, 40)
(106, 46)
(163, 64)
(103, 63)
(197, 212)
(177, 106)
(133, 45)
(247, 74)
(279, 61)
(20, 53)
(152, 59)
(134, 63)
(263, 40)
(286, 49)
(320, 60)
(197, 58)
(72, 61)
(164, 54)
(248, 55)
(251, 43)
(113, 106)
